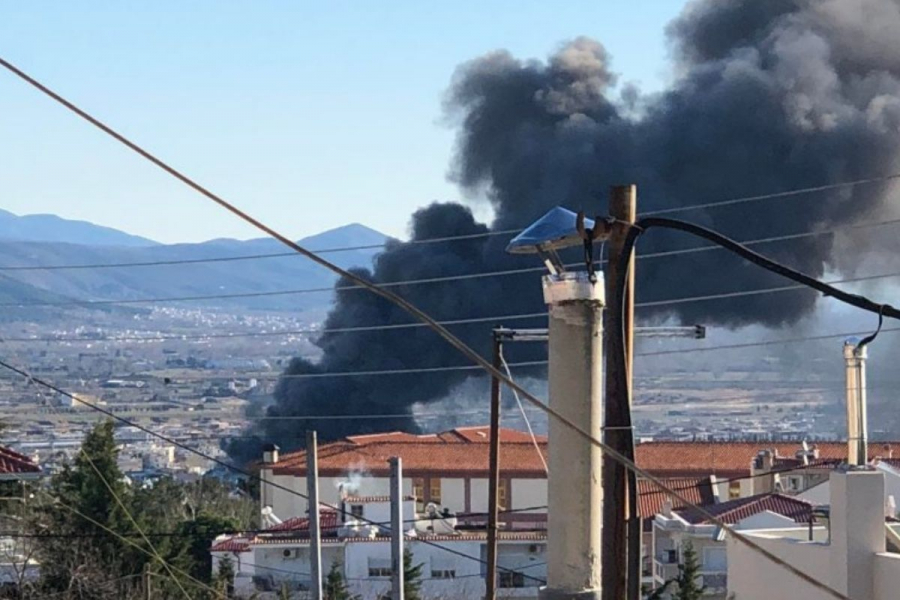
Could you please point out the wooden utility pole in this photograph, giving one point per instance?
(315, 533)
(148, 593)
(494, 482)
(618, 539)
(397, 533)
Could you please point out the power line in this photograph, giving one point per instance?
(784, 194)
(199, 453)
(419, 281)
(459, 344)
(186, 261)
(773, 342)
(313, 330)
(310, 330)
(195, 534)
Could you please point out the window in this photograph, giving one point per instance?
(443, 574)
(379, 567)
(434, 490)
(512, 579)
(734, 490)
(502, 493)
(442, 568)
(794, 484)
(418, 492)
(356, 510)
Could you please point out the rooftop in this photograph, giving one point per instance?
(698, 490)
(463, 450)
(732, 459)
(733, 511)
(15, 466)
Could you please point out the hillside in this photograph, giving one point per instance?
(262, 274)
(51, 228)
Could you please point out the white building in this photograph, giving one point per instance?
(452, 560)
(673, 530)
(852, 561)
(449, 469)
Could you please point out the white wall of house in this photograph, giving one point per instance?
(444, 575)
(529, 492)
(853, 562)
(674, 534)
(478, 488)
(752, 576)
(453, 493)
(286, 504)
(821, 493)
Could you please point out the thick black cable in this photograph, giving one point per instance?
(758, 259)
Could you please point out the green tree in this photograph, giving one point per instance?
(82, 557)
(688, 571)
(224, 581)
(685, 582)
(335, 587)
(412, 577)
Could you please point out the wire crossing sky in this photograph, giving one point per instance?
(292, 106)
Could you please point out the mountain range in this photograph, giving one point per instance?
(49, 241)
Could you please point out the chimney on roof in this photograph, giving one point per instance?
(763, 480)
(855, 356)
(270, 454)
(888, 451)
(667, 508)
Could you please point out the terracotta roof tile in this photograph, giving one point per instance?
(685, 459)
(737, 510)
(328, 521)
(651, 498)
(231, 545)
(461, 450)
(13, 463)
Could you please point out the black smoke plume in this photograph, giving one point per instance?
(767, 95)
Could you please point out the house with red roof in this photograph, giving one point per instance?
(674, 528)
(448, 469)
(15, 566)
(452, 559)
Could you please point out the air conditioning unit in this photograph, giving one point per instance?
(290, 553)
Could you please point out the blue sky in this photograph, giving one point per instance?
(309, 114)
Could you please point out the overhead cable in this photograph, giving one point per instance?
(414, 311)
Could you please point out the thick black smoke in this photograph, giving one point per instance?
(767, 95)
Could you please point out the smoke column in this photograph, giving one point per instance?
(768, 95)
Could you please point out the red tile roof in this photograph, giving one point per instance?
(14, 464)
(231, 545)
(462, 450)
(328, 521)
(730, 459)
(651, 498)
(737, 510)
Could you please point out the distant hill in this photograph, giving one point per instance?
(271, 274)
(50, 228)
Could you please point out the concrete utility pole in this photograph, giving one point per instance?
(619, 533)
(396, 528)
(490, 583)
(855, 356)
(575, 495)
(315, 533)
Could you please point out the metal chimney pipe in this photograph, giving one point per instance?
(857, 423)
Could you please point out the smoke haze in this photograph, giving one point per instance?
(768, 95)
